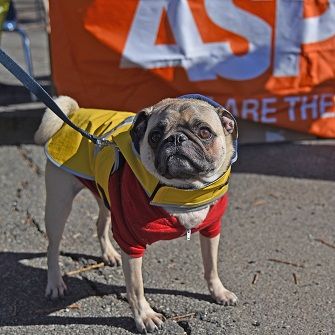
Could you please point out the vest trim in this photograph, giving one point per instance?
(65, 168)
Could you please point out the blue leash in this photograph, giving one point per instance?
(34, 87)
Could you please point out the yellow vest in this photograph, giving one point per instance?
(69, 150)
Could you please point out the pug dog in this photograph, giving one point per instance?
(185, 144)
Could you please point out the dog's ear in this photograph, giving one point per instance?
(228, 122)
(140, 125)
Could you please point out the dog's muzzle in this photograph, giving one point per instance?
(179, 157)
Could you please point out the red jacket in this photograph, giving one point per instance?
(136, 223)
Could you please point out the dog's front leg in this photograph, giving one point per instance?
(146, 319)
(209, 250)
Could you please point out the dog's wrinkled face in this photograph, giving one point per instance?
(185, 142)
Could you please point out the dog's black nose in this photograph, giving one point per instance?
(177, 138)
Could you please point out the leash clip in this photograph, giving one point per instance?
(102, 142)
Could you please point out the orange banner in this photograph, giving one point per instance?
(267, 61)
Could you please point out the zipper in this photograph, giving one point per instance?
(188, 234)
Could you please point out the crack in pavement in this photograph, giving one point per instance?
(94, 287)
(186, 326)
(183, 321)
(30, 220)
(27, 158)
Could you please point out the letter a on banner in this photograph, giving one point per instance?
(202, 61)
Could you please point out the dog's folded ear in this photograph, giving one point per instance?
(140, 125)
(228, 122)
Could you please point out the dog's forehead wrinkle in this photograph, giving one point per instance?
(164, 118)
(161, 123)
(180, 105)
(171, 120)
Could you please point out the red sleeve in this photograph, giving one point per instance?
(212, 230)
(212, 223)
(128, 244)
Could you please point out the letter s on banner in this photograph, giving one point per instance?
(202, 61)
(254, 29)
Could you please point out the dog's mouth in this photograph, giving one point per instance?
(178, 166)
(181, 163)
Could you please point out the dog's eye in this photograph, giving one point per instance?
(155, 136)
(205, 133)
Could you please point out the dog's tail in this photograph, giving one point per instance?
(51, 123)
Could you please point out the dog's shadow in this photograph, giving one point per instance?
(22, 300)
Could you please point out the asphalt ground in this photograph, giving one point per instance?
(277, 250)
(272, 254)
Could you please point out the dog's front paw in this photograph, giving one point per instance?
(111, 257)
(220, 294)
(147, 320)
(56, 288)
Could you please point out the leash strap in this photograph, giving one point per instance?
(33, 86)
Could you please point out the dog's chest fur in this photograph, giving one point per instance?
(191, 219)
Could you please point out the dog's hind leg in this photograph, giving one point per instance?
(61, 188)
(109, 255)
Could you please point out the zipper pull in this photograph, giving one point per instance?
(188, 234)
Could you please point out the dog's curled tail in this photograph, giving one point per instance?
(51, 123)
